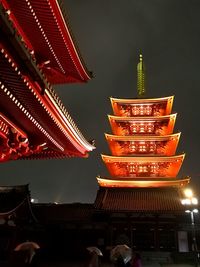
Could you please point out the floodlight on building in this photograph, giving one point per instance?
(186, 201)
(187, 211)
(34, 200)
(194, 201)
(188, 192)
(195, 210)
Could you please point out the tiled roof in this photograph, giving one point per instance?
(139, 200)
(63, 212)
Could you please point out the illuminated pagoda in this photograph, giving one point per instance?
(143, 145)
(143, 167)
(37, 50)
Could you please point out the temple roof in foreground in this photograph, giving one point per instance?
(46, 33)
(156, 200)
(34, 123)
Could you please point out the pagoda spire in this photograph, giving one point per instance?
(141, 78)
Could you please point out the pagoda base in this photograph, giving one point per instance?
(145, 200)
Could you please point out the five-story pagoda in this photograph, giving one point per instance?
(143, 165)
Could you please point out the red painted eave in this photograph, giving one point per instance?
(58, 131)
(47, 34)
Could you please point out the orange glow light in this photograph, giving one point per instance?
(105, 182)
(142, 107)
(130, 145)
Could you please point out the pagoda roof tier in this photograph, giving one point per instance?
(160, 125)
(156, 200)
(37, 111)
(46, 33)
(142, 183)
(142, 107)
(163, 145)
(143, 166)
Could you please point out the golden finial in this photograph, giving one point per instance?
(141, 78)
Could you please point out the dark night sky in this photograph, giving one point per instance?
(110, 34)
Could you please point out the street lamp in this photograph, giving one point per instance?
(192, 211)
(191, 202)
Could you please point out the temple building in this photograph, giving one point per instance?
(37, 50)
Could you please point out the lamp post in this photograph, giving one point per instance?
(191, 202)
(194, 241)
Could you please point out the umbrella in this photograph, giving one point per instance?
(95, 250)
(28, 246)
(121, 251)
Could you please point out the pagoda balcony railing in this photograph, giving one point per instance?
(143, 166)
(142, 125)
(143, 145)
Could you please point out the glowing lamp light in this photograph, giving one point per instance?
(188, 192)
(193, 211)
(34, 200)
(186, 201)
(194, 201)
(187, 211)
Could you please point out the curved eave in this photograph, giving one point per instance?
(113, 159)
(74, 135)
(109, 182)
(49, 36)
(141, 100)
(142, 119)
(49, 106)
(71, 43)
(142, 138)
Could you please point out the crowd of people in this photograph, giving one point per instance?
(120, 256)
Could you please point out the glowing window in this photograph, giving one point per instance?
(154, 168)
(132, 147)
(148, 110)
(142, 148)
(152, 147)
(133, 128)
(132, 168)
(142, 128)
(135, 110)
(142, 168)
(150, 127)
